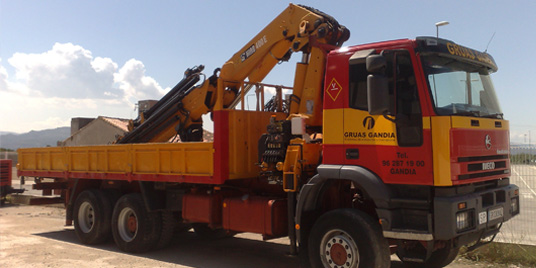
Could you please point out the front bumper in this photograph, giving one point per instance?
(480, 212)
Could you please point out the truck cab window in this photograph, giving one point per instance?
(408, 108)
(403, 93)
(358, 86)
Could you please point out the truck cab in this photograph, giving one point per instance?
(413, 133)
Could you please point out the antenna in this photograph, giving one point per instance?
(485, 51)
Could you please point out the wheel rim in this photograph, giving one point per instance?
(338, 250)
(127, 224)
(86, 217)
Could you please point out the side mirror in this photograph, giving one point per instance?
(376, 64)
(377, 94)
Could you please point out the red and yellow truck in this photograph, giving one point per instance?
(382, 148)
(6, 168)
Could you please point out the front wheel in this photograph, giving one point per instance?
(347, 238)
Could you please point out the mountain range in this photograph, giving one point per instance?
(41, 138)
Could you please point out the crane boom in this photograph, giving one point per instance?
(296, 29)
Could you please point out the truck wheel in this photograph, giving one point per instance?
(347, 238)
(205, 232)
(92, 216)
(134, 229)
(439, 258)
(169, 221)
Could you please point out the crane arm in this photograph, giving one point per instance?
(296, 29)
(289, 32)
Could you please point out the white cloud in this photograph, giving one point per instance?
(49, 88)
(3, 78)
(70, 71)
(103, 65)
(66, 71)
(135, 84)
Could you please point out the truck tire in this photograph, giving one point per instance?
(439, 258)
(169, 222)
(347, 238)
(92, 213)
(135, 230)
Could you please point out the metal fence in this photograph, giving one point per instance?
(522, 228)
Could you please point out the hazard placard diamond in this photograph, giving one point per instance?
(334, 89)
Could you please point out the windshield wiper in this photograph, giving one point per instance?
(495, 115)
(467, 113)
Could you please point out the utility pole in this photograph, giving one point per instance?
(439, 24)
(530, 151)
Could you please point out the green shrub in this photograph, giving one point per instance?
(503, 253)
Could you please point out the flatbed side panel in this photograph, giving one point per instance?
(194, 159)
(177, 162)
(111, 158)
(121, 176)
(49, 159)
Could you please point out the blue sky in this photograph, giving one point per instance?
(63, 59)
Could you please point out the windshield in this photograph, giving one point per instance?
(460, 88)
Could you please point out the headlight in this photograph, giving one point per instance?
(464, 220)
(514, 203)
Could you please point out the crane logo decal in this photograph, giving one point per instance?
(253, 48)
(334, 89)
(368, 122)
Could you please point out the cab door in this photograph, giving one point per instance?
(392, 145)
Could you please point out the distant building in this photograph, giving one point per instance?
(99, 131)
(105, 130)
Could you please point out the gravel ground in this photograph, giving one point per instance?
(35, 236)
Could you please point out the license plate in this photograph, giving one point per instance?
(482, 217)
(495, 213)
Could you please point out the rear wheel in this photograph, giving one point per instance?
(347, 238)
(135, 229)
(169, 223)
(92, 216)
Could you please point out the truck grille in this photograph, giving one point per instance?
(483, 166)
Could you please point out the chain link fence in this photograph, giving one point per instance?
(522, 228)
